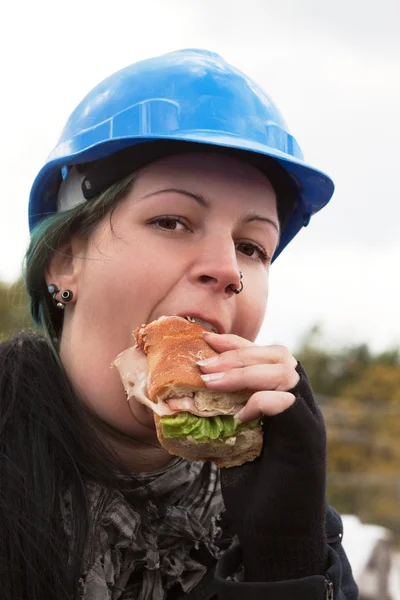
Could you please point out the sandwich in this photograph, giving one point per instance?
(191, 421)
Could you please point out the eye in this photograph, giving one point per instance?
(254, 251)
(169, 223)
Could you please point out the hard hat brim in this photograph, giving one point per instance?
(315, 187)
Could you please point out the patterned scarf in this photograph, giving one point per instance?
(142, 541)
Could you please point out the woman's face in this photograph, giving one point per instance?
(173, 246)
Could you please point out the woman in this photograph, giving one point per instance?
(173, 187)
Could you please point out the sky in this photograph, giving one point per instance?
(333, 69)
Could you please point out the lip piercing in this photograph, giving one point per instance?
(237, 291)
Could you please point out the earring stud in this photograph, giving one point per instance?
(66, 295)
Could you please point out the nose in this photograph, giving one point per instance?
(216, 266)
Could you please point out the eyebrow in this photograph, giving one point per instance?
(198, 197)
(253, 217)
(250, 217)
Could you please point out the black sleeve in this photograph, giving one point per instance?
(340, 569)
(338, 576)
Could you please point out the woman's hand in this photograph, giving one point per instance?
(277, 502)
(268, 370)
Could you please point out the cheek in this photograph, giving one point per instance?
(253, 308)
(257, 310)
(124, 285)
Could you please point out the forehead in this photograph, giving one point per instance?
(206, 171)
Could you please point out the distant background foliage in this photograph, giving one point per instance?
(14, 309)
(359, 394)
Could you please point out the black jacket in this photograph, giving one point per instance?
(336, 584)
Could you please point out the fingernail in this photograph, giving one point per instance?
(212, 376)
(207, 361)
(209, 333)
(238, 415)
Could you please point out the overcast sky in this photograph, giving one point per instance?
(332, 67)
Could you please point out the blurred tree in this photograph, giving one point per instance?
(359, 395)
(378, 382)
(14, 308)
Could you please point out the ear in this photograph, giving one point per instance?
(65, 266)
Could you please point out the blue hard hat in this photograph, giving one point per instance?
(190, 96)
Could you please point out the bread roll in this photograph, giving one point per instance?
(173, 346)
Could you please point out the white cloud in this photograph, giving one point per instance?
(353, 291)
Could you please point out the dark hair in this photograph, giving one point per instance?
(49, 442)
(46, 239)
(47, 446)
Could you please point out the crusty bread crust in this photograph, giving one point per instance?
(227, 452)
(173, 346)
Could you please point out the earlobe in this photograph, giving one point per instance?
(66, 296)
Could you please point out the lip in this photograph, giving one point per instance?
(198, 315)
